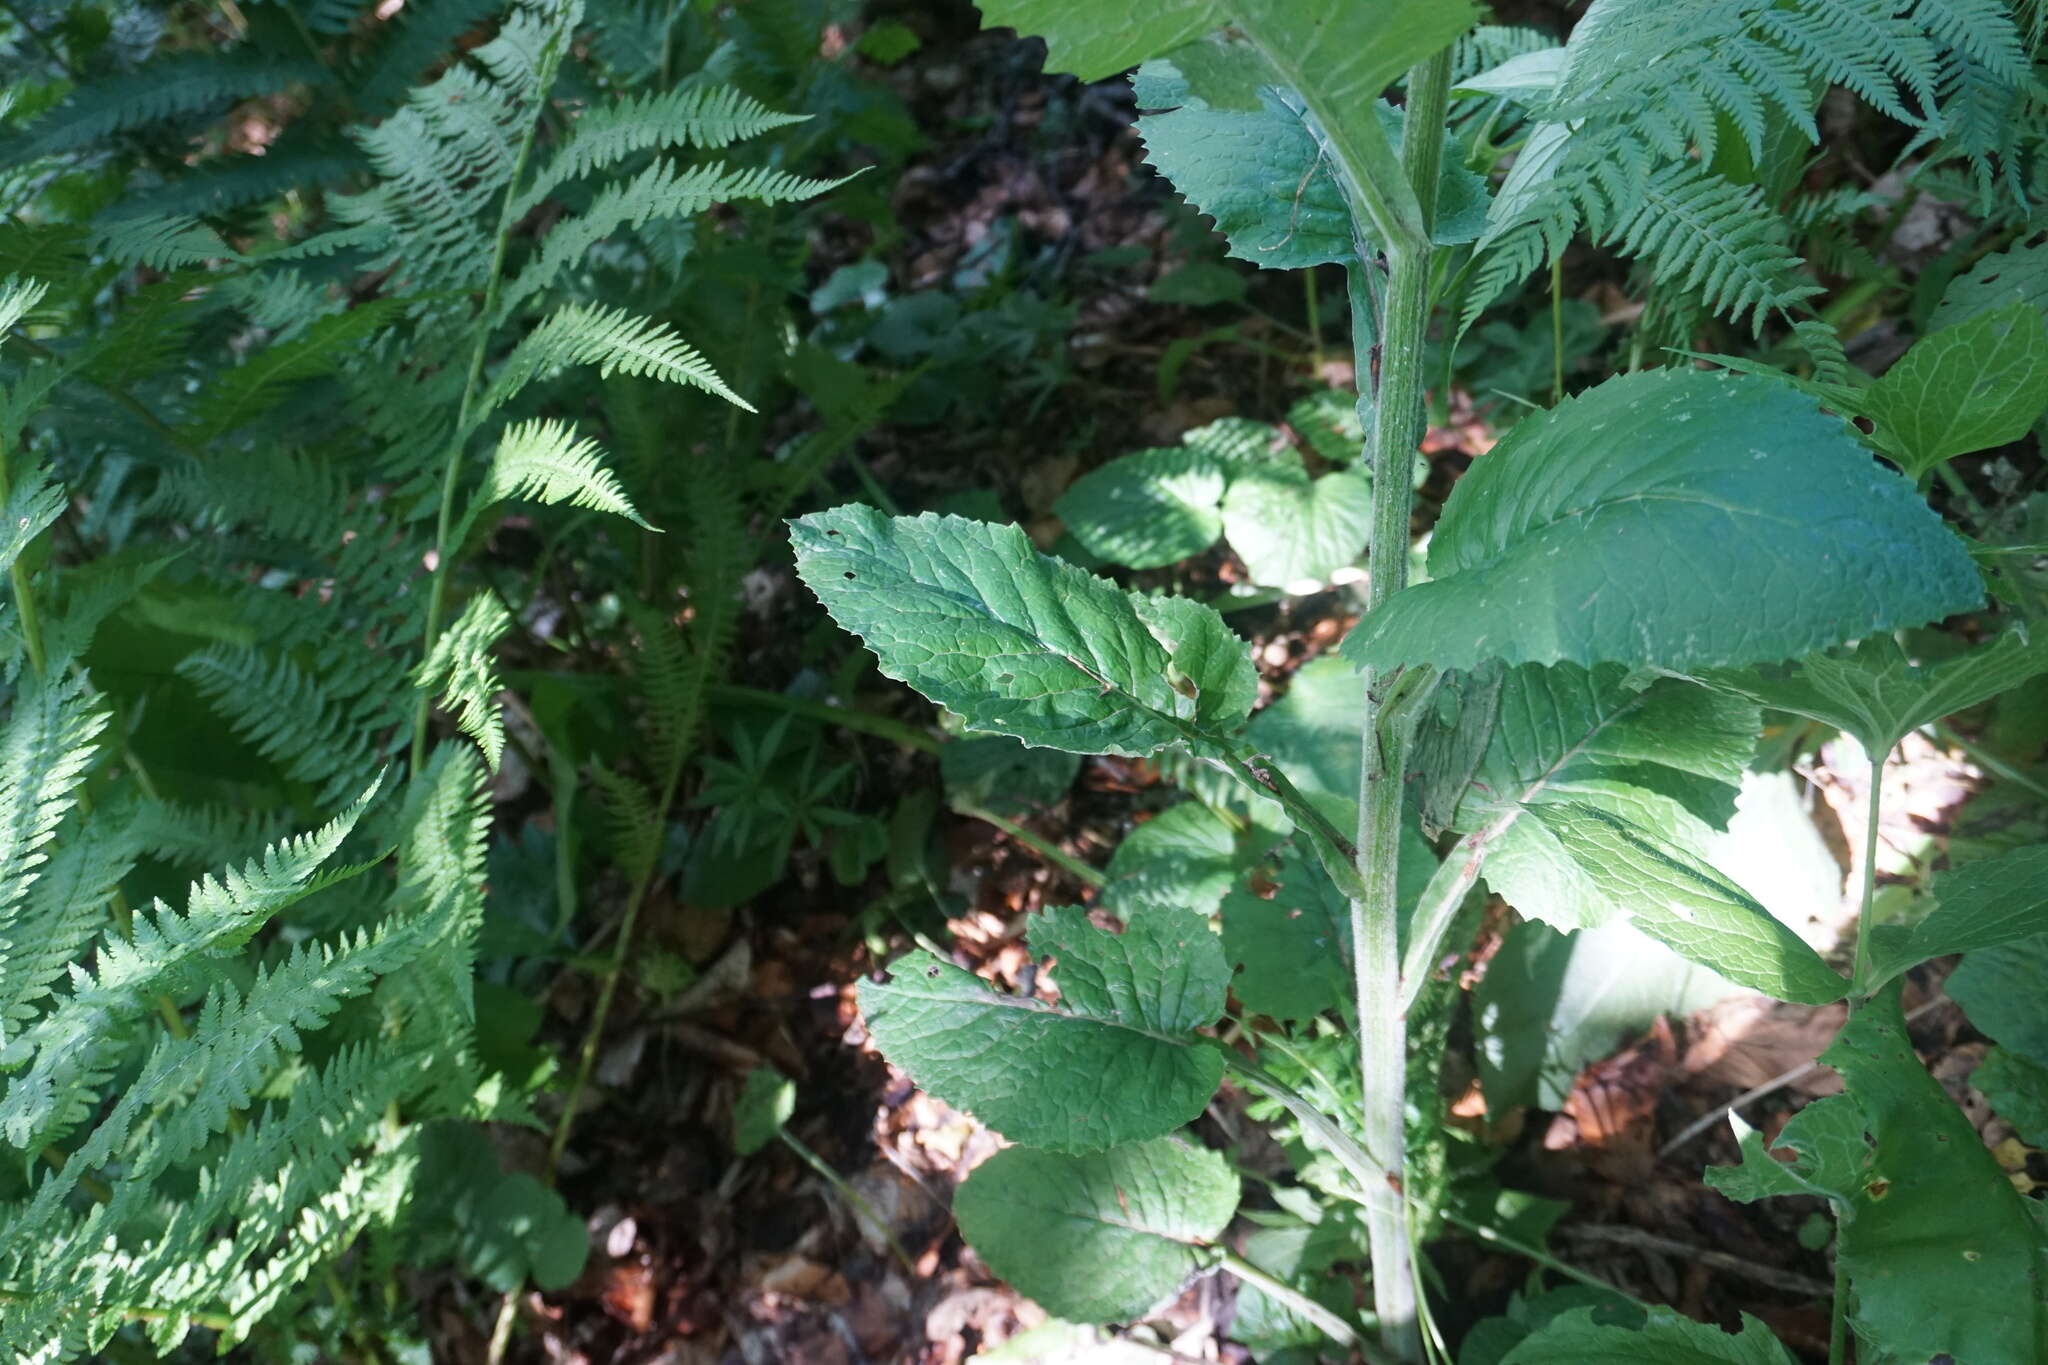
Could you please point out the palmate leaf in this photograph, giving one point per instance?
(1941, 1251)
(1099, 1238)
(1117, 1061)
(971, 615)
(1666, 1338)
(1688, 906)
(1969, 387)
(1671, 518)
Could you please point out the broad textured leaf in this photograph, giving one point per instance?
(1209, 662)
(1689, 907)
(1975, 385)
(1940, 1248)
(1667, 1338)
(2000, 989)
(2017, 273)
(1099, 1238)
(972, 616)
(1262, 173)
(1313, 731)
(1293, 950)
(1451, 741)
(1182, 859)
(1672, 518)
(1148, 509)
(2017, 1087)
(1879, 694)
(1094, 41)
(1985, 904)
(1667, 757)
(1002, 774)
(1115, 1061)
(1552, 1002)
(1830, 1155)
(1290, 529)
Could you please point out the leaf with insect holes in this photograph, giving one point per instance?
(1209, 665)
(1939, 1248)
(1975, 385)
(1102, 1237)
(1675, 519)
(1117, 1060)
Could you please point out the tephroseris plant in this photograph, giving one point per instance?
(1612, 591)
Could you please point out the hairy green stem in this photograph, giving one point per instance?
(1375, 932)
(1328, 1323)
(451, 465)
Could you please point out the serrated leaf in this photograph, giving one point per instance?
(1689, 907)
(1978, 384)
(31, 507)
(547, 462)
(1182, 860)
(459, 668)
(1985, 904)
(2018, 273)
(1999, 988)
(1671, 518)
(766, 1101)
(1098, 1238)
(1209, 664)
(1115, 1061)
(1830, 1155)
(1289, 529)
(972, 616)
(1147, 509)
(999, 773)
(1940, 1248)
(2017, 1087)
(1094, 41)
(1293, 950)
(1879, 694)
(1666, 1338)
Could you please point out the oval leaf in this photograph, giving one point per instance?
(1672, 518)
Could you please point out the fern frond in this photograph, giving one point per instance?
(660, 192)
(250, 388)
(702, 117)
(635, 831)
(46, 748)
(460, 669)
(1701, 234)
(18, 297)
(33, 505)
(161, 90)
(1982, 30)
(616, 342)
(291, 717)
(162, 243)
(545, 461)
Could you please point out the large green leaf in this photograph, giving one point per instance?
(1879, 694)
(1262, 172)
(1094, 41)
(2017, 1087)
(1688, 906)
(1672, 518)
(1116, 1061)
(1147, 509)
(1290, 529)
(1098, 1238)
(1667, 1338)
(2017, 273)
(1208, 662)
(1292, 950)
(1183, 858)
(2000, 989)
(1975, 385)
(1985, 904)
(1941, 1251)
(972, 616)
(1667, 757)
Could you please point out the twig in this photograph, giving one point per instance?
(1637, 1239)
(1058, 857)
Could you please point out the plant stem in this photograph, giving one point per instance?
(1052, 853)
(1838, 1316)
(1370, 1174)
(1375, 932)
(851, 1196)
(451, 467)
(846, 717)
(1988, 761)
(1860, 985)
(1328, 1323)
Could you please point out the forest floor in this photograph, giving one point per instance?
(700, 1257)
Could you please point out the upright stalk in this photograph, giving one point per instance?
(1397, 432)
